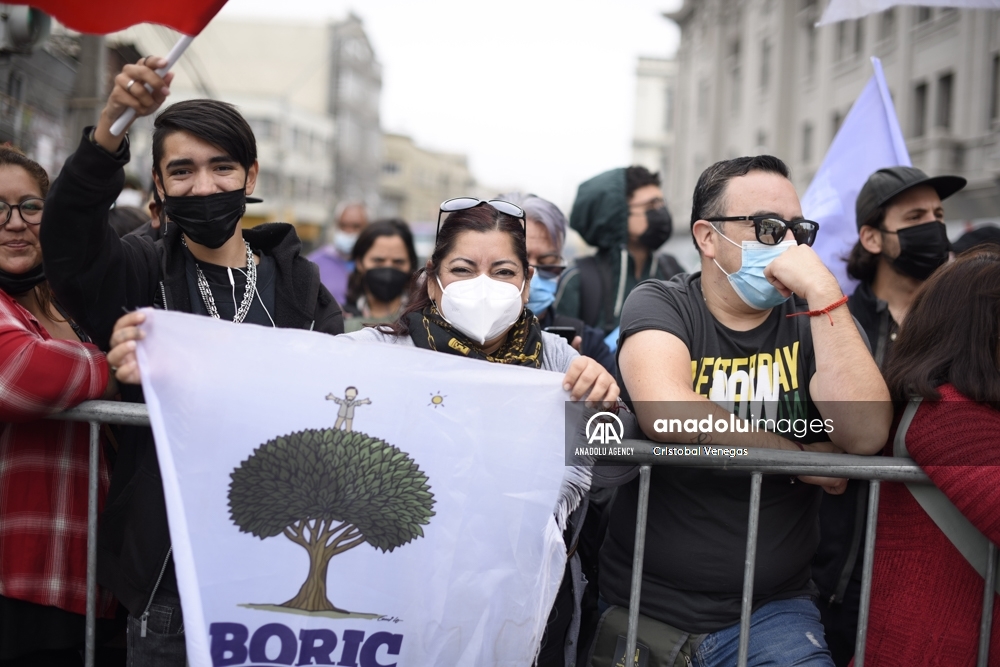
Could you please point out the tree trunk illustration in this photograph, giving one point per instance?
(322, 541)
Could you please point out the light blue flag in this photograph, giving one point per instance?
(868, 140)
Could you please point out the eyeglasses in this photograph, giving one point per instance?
(551, 271)
(771, 230)
(30, 210)
(465, 203)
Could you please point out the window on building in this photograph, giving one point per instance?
(807, 140)
(995, 88)
(735, 76)
(859, 37)
(810, 48)
(887, 24)
(765, 64)
(840, 44)
(761, 139)
(944, 97)
(835, 120)
(919, 109)
(390, 168)
(668, 109)
(702, 101)
(924, 14)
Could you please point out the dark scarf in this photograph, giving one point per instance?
(17, 284)
(523, 346)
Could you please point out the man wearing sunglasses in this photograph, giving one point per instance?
(732, 341)
(901, 241)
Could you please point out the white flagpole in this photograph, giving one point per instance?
(175, 53)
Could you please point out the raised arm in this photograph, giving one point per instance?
(95, 275)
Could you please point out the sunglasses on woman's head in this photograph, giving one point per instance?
(771, 230)
(465, 203)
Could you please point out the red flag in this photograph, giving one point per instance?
(100, 17)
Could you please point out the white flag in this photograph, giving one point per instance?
(868, 140)
(357, 504)
(843, 10)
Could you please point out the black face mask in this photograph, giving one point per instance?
(922, 249)
(659, 229)
(208, 220)
(385, 283)
(17, 284)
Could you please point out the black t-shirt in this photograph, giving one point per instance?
(697, 528)
(261, 309)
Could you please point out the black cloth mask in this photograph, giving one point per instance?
(208, 220)
(922, 249)
(385, 283)
(659, 228)
(17, 284)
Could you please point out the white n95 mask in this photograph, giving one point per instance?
(481, 308)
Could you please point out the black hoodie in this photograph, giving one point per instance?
(97, 277)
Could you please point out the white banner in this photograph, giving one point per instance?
(357, 504)
(843, 10)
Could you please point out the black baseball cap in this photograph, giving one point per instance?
(886, 183)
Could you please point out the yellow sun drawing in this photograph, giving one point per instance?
(437, 400)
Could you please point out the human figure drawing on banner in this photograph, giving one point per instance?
(345, 415)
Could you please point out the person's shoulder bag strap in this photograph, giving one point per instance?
(971, 543)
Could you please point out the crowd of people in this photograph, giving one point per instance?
(909, 362)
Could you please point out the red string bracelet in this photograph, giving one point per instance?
(823, 311)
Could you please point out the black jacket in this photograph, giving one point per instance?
(97, 277)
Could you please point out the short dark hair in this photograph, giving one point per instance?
(483, 218)
(366, 239)
(212, 121)
(710, 190)
(637, 177)
(959, 303)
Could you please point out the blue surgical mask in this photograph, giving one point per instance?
(749, 282)
(543, 293)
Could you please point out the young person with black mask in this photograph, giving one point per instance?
(384, 260)
(901, 241)
(204, 166)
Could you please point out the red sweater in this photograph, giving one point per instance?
(44, 464)
(926, 599)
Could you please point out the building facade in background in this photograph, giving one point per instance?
(757, 76)
(416, 180)
(653, 132)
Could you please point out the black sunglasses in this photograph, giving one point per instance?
(465, 203)
(771, 230)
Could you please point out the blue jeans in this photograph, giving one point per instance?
(782, 634)
(163, 645)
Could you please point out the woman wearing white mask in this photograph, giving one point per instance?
(472, 299)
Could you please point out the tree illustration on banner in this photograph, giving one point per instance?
(330, 490)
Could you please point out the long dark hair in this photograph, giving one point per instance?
(952, 333)
(366, 239)
(483, 218)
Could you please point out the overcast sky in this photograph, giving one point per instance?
(538, 93)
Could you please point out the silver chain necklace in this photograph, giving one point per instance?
(206, 291)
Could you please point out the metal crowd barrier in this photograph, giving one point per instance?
(759, 462)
